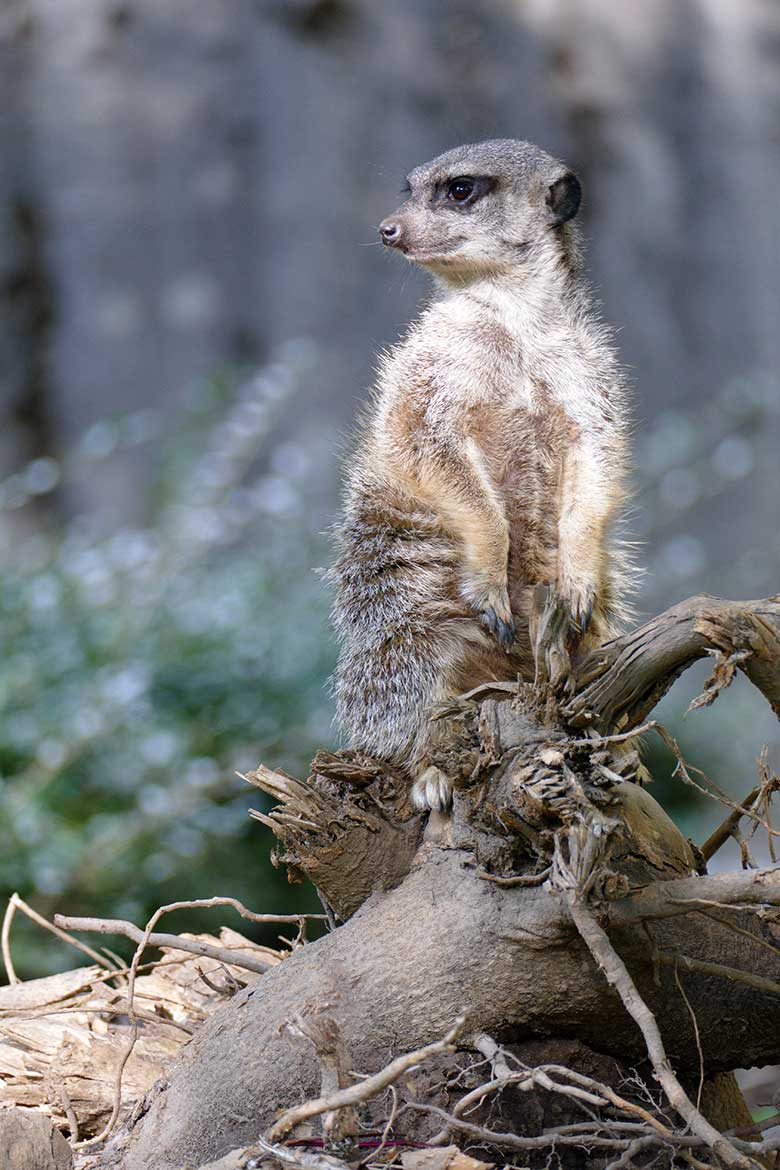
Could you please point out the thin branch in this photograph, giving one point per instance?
(617, 975)
(533, 1078)
(636, 1147)
(767, 986)
(585, 1127)
(493, 1052)
(55, 929)
(524, 879)
(755, 939)
(374, 1154)
(67, 1108)
(368, 1088)
(720, 836)
(770, 784)
(5, 940)
(239, 907)
(595, 740)
(695, 1026)
(581, 1088)
(681, 895)
(615, 1099)
(516, 1141)
(174, 941)
(683, 769)
(549, 1139)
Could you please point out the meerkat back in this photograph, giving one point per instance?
(492, 459)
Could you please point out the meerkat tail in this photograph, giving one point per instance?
(401, 626)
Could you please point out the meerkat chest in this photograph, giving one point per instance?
(524, 432)
(525, 381)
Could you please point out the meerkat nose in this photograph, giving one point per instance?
(390, 231)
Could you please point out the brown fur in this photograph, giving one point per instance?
(492, 460)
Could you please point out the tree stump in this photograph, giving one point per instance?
(557, 920)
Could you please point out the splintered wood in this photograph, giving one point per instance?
(61, 1038)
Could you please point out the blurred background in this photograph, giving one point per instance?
(191, 303)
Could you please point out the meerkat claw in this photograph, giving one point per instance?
(490, 619)
(583, 615)
(504, 630)
(578, 607)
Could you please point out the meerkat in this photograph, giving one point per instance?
(492, 458)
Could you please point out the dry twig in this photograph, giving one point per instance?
(681, 895)
(514, 1141)
(523, 879)
(17, 903)
(367, 1088)
(5, 941)
(565, 1081)
(767, 986)
(173, 941)
(617, 975)
(720, 836)
(696, 1033)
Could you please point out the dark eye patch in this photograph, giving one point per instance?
(463, 190)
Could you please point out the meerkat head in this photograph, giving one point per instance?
(484, 209)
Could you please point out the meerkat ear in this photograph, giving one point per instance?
(563, 198)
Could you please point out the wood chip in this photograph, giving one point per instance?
(441, 1158)
(29, 1141)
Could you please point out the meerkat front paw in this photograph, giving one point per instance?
(502, 626)
(432, 790)
(577, 599)
(492, 604)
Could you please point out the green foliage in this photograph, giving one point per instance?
(143, 669)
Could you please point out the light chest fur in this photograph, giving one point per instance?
(521, 390)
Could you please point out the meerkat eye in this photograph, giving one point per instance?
(459, 190)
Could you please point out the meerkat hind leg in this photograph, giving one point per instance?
(432, 790)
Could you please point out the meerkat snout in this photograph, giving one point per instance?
(390, 231)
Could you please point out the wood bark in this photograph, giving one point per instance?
(29, 1141)
(454, 917)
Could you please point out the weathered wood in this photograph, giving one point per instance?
(61, 1037)
(348, 828)
(618, 685)
(398, 972)
(29, 1141)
